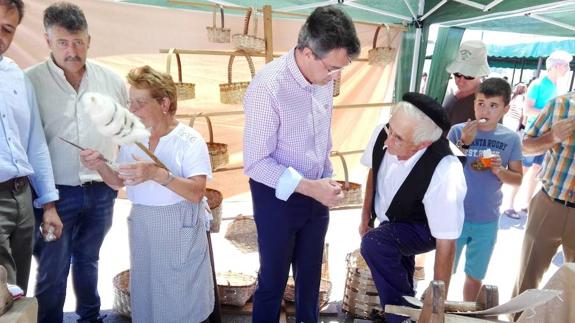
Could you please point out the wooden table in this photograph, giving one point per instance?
(24, 310)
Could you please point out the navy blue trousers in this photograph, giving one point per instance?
(389, 251)
(290, 232)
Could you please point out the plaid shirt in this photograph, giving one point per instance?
(287, 124)
(559, 171)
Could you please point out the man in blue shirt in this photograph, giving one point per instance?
(24, 157)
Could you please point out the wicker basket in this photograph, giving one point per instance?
(243, 234)
(233, 92)
(235, 288)
(351, 191)
(121, 303)
(186, 91)
(324, 291)
(381, 56)
(336, 85)
(215, 198)
(249, 43)
(219, 155)
(218, 34)
(360, 295)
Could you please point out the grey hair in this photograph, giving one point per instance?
(66, 15)
(426, 129)
(326, 29)
(558, 57)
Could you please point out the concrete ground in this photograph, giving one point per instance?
(342, 238)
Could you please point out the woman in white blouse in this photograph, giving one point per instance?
(171, 277)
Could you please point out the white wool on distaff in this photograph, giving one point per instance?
(113, 120)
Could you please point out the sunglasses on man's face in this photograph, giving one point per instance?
(458, 75)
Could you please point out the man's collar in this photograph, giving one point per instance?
(295, 70)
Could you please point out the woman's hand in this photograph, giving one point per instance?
(92, 159)
(138, 172)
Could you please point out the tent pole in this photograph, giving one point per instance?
(572, 79)
(416, 48)
(268, 35)
(513, 75)
(539, 61)
(522, 66)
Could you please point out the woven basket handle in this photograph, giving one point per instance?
(208, 121)
(231, 63)
(377, 33)
(345, 173)
(247, 20)
(178, 61)
(214, 14)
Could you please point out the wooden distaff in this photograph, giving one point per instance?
(150, 154)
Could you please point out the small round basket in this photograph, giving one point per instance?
(219, 155)
(243, 234)
(324, 291)
(351, 191)
(234, 92)
(360, 295)
(215, 198)
(235, 288)
(186, 91)
(121, 303)
(249, 43)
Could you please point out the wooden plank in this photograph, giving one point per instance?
(268, 35)
(414, 313)
(238, 310)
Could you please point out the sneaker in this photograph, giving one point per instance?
(512, 214)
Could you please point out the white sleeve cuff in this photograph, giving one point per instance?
(287, 183)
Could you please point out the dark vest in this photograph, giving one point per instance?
(407, 204)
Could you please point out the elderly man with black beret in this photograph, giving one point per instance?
(415, 188)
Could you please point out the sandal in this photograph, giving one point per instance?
(512, 214)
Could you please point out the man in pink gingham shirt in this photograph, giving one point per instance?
(287, 141)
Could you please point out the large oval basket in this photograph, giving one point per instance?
(243, 234)
(235, 288)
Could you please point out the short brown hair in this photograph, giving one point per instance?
(159, 84)
(14, 4)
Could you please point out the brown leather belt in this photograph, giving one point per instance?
(15, 184)
(566, 203)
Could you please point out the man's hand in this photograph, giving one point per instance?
(562, 129)
(326, 191)
(51, 219)
(469, 131)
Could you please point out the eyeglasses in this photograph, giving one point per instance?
(458, 75)
(331, 70)
(392, 135)
(141, 102)
(65, 44)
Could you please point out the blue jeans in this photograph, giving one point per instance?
(86, 212)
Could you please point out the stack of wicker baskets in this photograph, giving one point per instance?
(219, 155)
(243, 234)
(351, 191)
(235, 288)
(121, 303)
(233, 92)
(360, 295)
(215, 198)
(218, 34)
(381, 56)
(186, 91)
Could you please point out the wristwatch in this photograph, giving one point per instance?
(460, 144)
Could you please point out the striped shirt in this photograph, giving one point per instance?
(559, 171)
(287, 132)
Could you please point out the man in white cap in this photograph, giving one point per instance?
(469, 66)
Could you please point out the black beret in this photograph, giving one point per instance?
(430, 107)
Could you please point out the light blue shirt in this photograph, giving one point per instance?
(23, 149)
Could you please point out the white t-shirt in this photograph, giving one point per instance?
(183, 151)
(443, 200)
